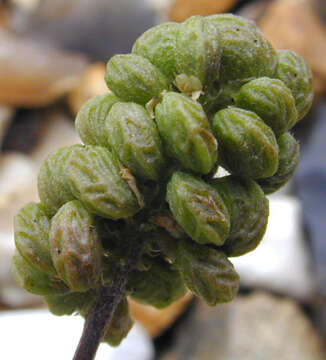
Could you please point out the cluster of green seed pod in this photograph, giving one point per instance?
(190, 97)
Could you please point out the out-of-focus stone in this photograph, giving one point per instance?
(155, 321)
(34, 74)
(299, 28)
(137, 346)
(256, 327)
(182, 9)
(90, 84)
(254, 10)
(27, 5)
(58, 132)
(97, 28)
(282, 262)
(5, 117)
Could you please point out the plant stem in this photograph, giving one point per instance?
(101, 314)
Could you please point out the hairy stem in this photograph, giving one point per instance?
(101, 314)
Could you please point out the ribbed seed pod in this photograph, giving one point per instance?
(134, 137)
(31, 227)
(289, 155)
(184, 127)
(53, 186)
(158, 286)
(296, 74)
(75, 247)
(33, 280)
(120, 325)
(158, 45)
(272, 101)
(90, 120)
(247, 146)
(198, 209)
(198, 49)
(218, 96)
(95, 180)
(246, 54)
(134, 78)
(67, 304)
(249, 210)
(163, 243)
(207, 272)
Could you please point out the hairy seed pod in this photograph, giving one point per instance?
(90, 120)
(158, 286)
(33, 280)
(246, 54)
(158, 45)
(67, 304)
(297, 76)
(207, 272)
(134, 137)
(134, 78)
(198, 209)
(249, 210)
(272, 101)
(185, 129)
(120, 325)
(75, 247)
(247, 146)
(287, 163)
(31, 227)
(95, 179)
(53, 186)
(198, 49)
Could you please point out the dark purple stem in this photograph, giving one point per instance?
(101, 314)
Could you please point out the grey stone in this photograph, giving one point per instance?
(257, 327)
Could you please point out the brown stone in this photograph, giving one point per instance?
(155, 321)
(295, 25)
(182, 9)
(90, 84)
(34, 74)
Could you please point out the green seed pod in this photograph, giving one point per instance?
(33, 280)
(246, 54)
(198, 49)
(288, 160)
(185, 129)
(75, 247)
(161, 242)
(67, 304)
(90, 120)
(120, 325)
(134, 137)
(207, 272)
(218, 96)
(248, 146)
(248, 208)
(158, 286)
(272, 101)
(95, 179)
(158, 45)
(198, 209)
(53, 186)
(134, 78)
(31, 227)
(296, 75)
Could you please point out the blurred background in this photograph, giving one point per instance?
(52, 59)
